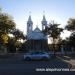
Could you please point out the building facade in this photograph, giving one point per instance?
(36, 39)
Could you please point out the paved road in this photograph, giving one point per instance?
(16, 66)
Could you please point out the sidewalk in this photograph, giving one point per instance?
(69, 60)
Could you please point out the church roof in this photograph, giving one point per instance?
(37, 30)
(36, 34)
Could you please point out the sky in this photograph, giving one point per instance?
(58, 10)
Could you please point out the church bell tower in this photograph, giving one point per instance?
(29, 25)
(44, 23)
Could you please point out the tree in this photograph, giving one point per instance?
(18, 38)
(54, 32)
(18, 34)
(7, 24)
(72, 40)
(70, 25)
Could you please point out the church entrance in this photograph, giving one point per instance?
(37, 45)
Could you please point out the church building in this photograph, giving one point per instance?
(36, 39)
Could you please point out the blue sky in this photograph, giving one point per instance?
(58, 10)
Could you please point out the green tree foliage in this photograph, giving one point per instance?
(70, 25)
(72, 39)
(18, 34)
(7, 24)
(54, 32)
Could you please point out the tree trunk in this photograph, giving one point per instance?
(54, 46)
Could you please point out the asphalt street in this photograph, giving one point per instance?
(17, 66)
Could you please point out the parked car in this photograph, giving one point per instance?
(36, 56)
